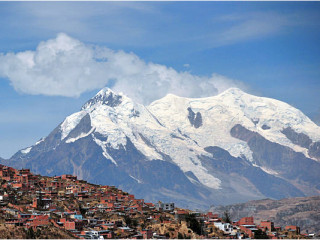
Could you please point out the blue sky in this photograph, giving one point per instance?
(193, 49)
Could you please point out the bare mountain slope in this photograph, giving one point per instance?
(301, 211)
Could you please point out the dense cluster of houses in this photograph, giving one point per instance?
(93, 211)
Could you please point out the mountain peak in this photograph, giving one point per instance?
(106, 97)
(171, 96)
(105, 91)
(189, 146)
(233, 91)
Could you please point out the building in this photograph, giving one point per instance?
(293, 228)
(225, 227)
(164, 206)
(266, 225)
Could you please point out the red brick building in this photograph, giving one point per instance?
(38, 220)
(245, 221)
(293, 228)
(264, 225)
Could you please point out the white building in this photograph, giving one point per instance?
(225, 227)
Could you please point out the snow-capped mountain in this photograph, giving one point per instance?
(223, 149)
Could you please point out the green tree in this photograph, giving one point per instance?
(143, 225)
(259, 234)
(134, 223)
(83, 211)
(193, 223)
(30, 234)
(226, 217)
(128, 220)
(38, 233)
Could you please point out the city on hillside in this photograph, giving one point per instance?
(35, 206)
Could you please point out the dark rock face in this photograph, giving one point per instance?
(314, 150)
(290, 165)
(84, 126)
(303, 140)
(111, 100)
(195, 119)
(300, 139)
(255, 121)
(51, 142)
(175, 136)
(265, 127)
(191, 116)
(198, 120)
(135, 113)
(268, 185)
(191, 175)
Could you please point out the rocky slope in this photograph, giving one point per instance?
(47, 232)
(301, 211)
(229, 148)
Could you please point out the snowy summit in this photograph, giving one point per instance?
(217, 147)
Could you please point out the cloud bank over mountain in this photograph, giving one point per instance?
(65, 66)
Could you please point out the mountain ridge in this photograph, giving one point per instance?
(119, 142)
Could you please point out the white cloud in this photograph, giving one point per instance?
(254, 25)
(64, 66)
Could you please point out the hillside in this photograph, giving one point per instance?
(35, 206)
(48, 232)
(301, 211)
